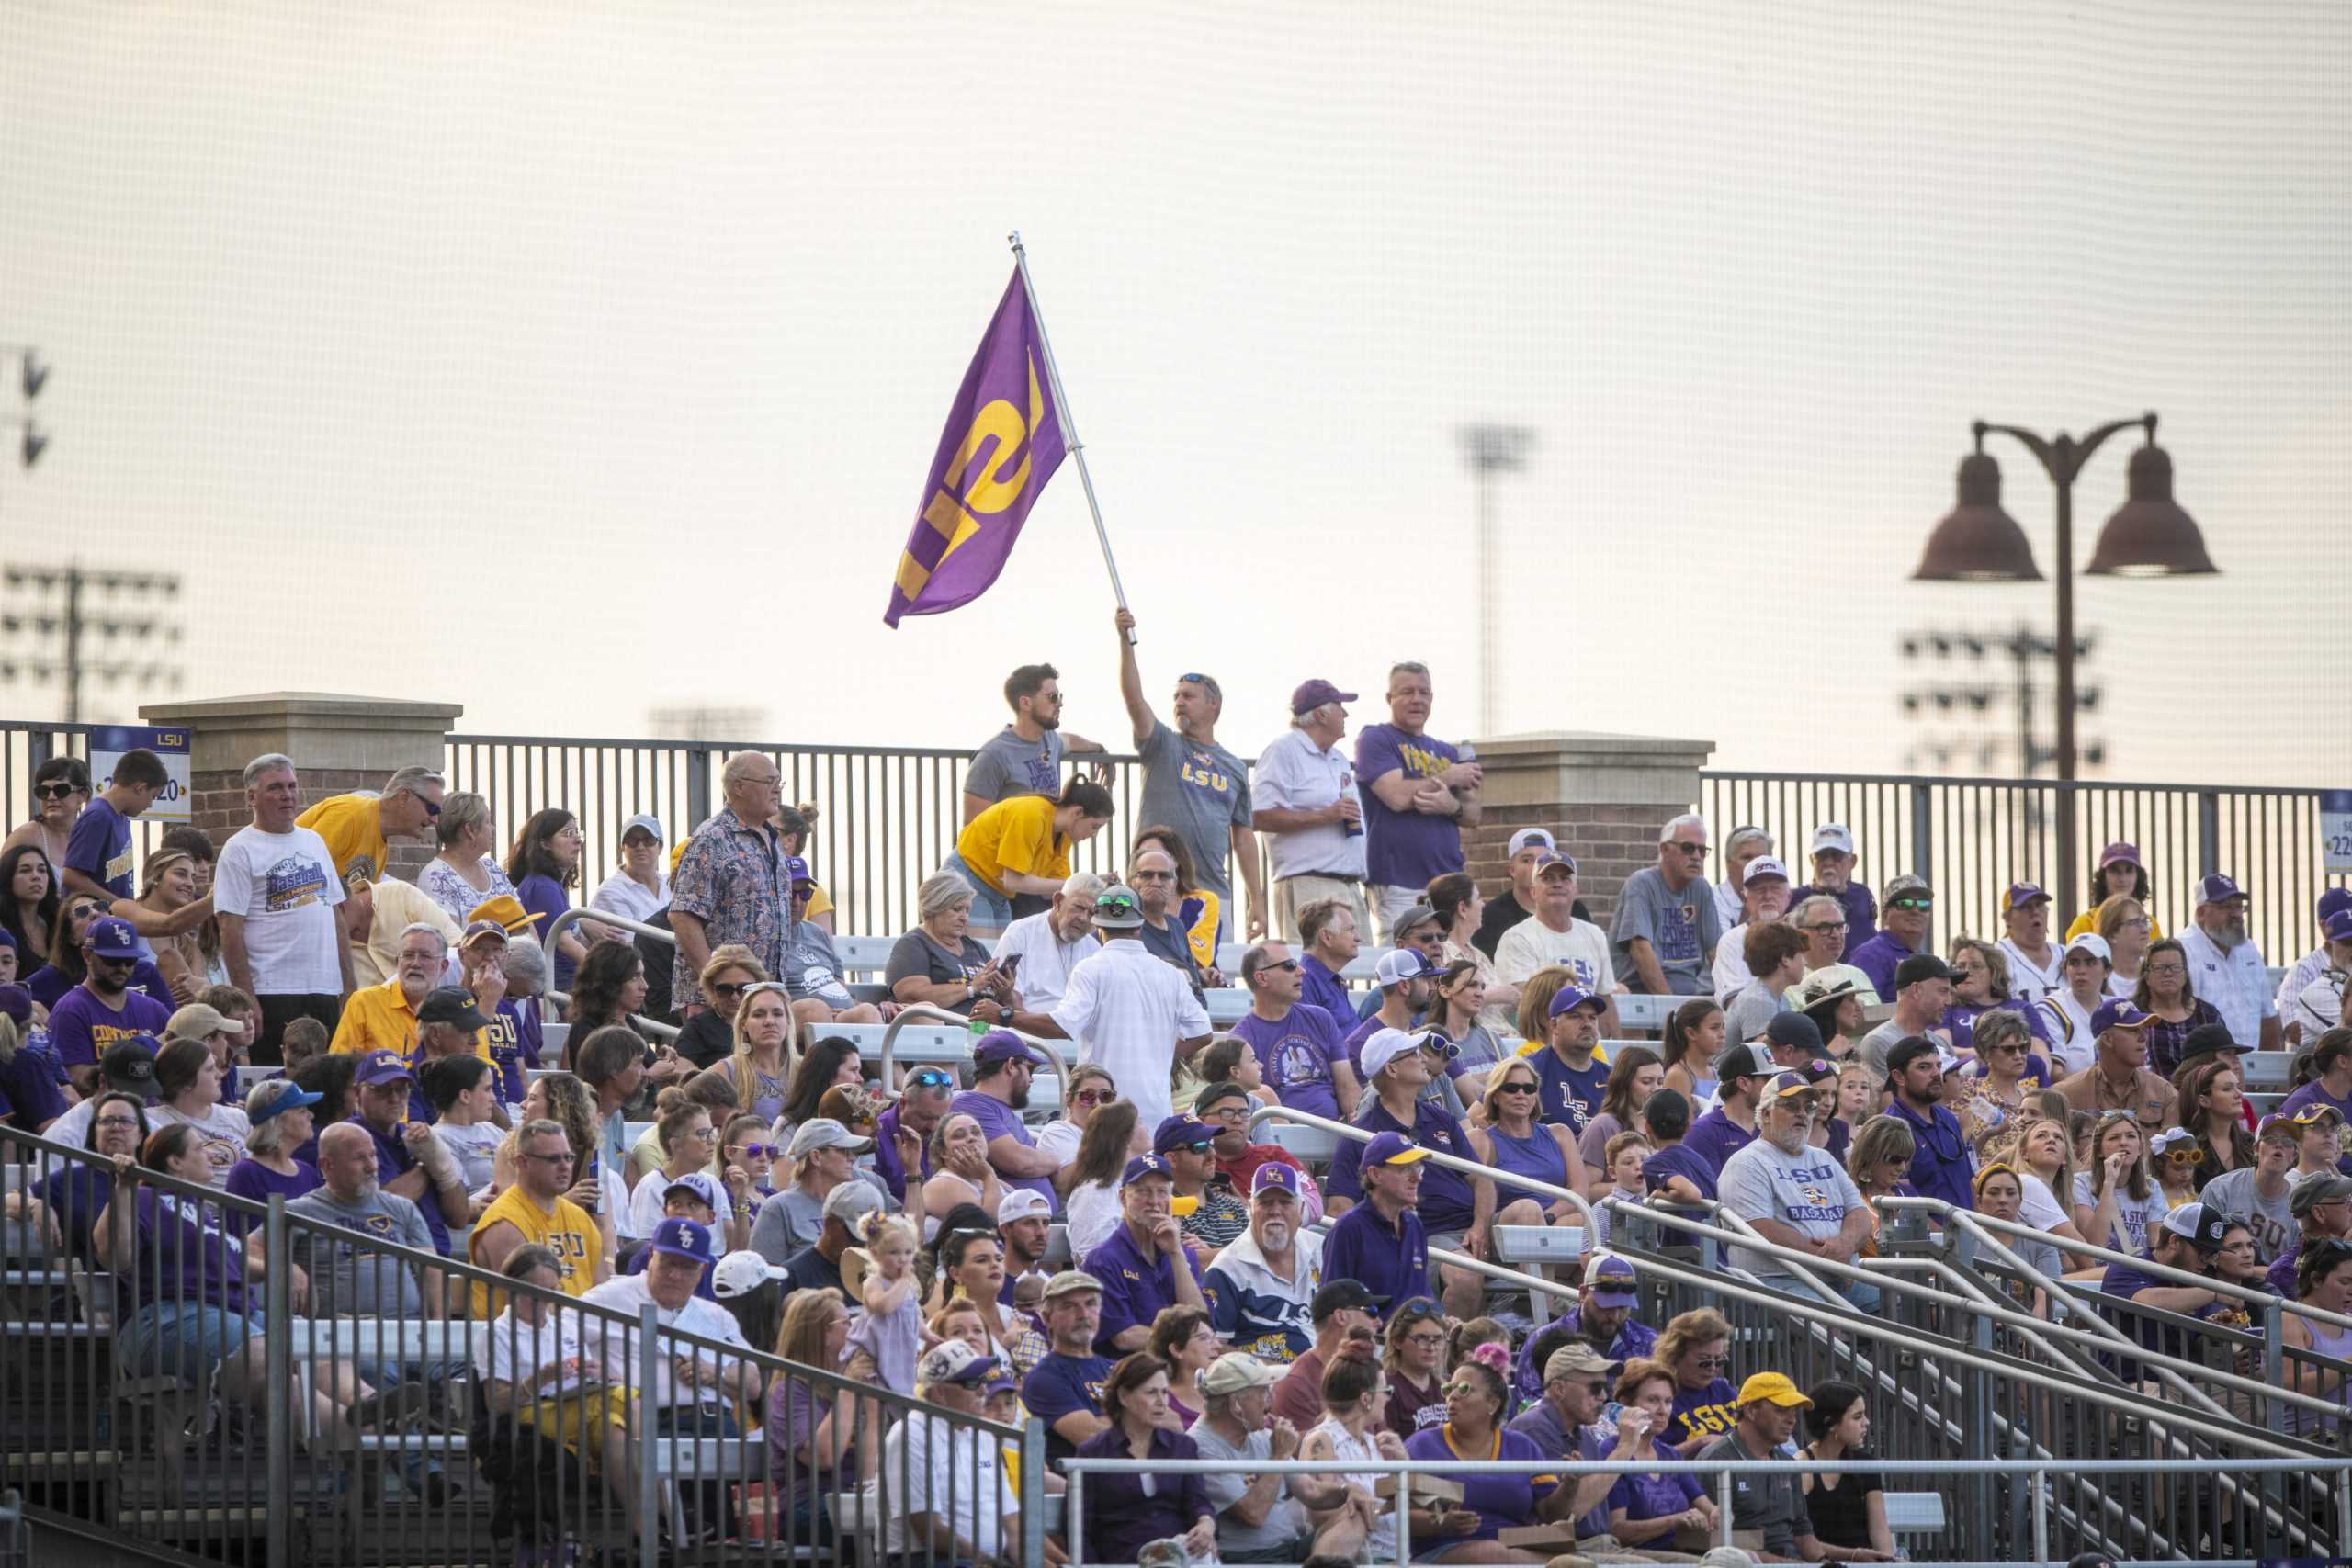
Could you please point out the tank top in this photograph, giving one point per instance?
(1380, 1545)
(570, 1233)
(2301, 1423)
(1536, 1156)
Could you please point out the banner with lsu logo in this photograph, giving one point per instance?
(1003, 441)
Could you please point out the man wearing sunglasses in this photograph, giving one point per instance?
(103, 1008)
(1797, 1196)
(1601, 1321)
(1667, 931)
(1903, 931)
(1194, 784)
(356, 827)
(905, 1129)
(1566, 1423)
(1298, 1042)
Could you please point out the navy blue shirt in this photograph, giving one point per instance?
(1878, 958)
(1678, 1159)
(1121, 1519)
(1393, 1263)
(30, 1082)
(1447, 1198)
(1057, 1385)
(1133, 1288)
(1569, 1097)
(1715, 1137)
(1940, 1164)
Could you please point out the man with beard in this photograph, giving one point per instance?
(1025, 756)
(1941, 1165)
(1263, 1284)
(2226, 968)
(1002, 1065)
(1602, 1319)
(1796, 1196)
(410, 1161)
(103, 1008)
(1195, 785)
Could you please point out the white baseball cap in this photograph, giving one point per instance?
(1833, 836)
(741, 1273)
(1527, 835)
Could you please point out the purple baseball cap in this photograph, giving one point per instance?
(1393, 1148)
(1146, 1164)
(1180, 1133)
(2020, 894)
(796, 870)
(1276, 1175)
(15, 1002)
(1611, 1279)
(109, 938)
(684, 1238)
(2117, 1013)
(2219, 888)
(1570, 997)
(1004, 1045)
(2119, 853)
(379, 1067)
(2338, 927)
(2333, 902)
(1311, 694)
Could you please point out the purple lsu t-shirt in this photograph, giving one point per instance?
(511, 1050)
(1404, 848)
(81, 1027)
(250, 1178)
(184, 1253)
(1296, 1055)
(544, 896)
(998, 1119)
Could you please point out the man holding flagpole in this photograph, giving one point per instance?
(1193, 784)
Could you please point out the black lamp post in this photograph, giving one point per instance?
(2149, 536)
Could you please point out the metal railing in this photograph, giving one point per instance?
(370, 1402)
(577, 915)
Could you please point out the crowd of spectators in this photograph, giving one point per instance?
(288, 1018)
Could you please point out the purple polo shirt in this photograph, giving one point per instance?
(1318, 985)
(1447, 1200)
(1404, 848)
(1940, 1164)
(1715, 1138)
(1295, 1054)
(1133, 1288)
(1392, 1262)
(997, 1120)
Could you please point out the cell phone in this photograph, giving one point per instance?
(1009, 965)
(594, 1176)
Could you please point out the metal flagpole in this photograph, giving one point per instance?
(1069, 429)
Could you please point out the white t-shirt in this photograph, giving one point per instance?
(1092, 1213)
(2041, 1211)
(2072, 1041)
(1127, 1008)
(1732, 973)
(625, 895)
(2309, 967)
(286, 887)
(474, 1148)
(1531, 945)
(631, 1293)
(1292, 775)
(2133, 1216)
(1045, 960)
(1060, 1138)
(949, 1471)
(517, 1352)
(2237, 983)
(2029, 981)
(223, 1130)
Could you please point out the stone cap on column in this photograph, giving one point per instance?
(1556, 766)
(322, 731)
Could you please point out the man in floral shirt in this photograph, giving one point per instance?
(730, 883)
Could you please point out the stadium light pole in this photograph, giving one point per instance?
(1489, 450)
(2149, 536)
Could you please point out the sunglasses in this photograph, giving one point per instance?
(432, 807)
(2185, 1157)
(1516, 1087)
(1200, 1148)
(759, 1151)
(1920, 904)
(55, 790)
(1716, 1361)
(730, 987)
(1095, 1096)
(1425, 1339)
(1285, 963)
(1416, 1307)
(930, 1077)
(566, 1158)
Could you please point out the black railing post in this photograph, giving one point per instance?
(2209, 832)
(698, 755)
(278, 1402)
(1922, 836)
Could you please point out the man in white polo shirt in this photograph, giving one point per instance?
(2226, 968)
(2036, 967)
(1303, 797)
(1050, 943)
(1129, 1011)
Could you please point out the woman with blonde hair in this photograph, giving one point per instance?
(708, 1037)
(169, 912)
(762, 1025)
(1510, 1139)
(821, 1437)
(1535, 1000)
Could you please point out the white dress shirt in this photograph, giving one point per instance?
(2237, 983)
(1126, 1009)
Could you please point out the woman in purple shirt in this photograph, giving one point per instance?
(187, 1279)
(542, 864)
(1477, 1398)
(280, 1112)
(1651, 1508)
(1127, 1513)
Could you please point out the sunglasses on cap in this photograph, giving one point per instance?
(930, 1077)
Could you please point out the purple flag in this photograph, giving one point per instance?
(1003, 441)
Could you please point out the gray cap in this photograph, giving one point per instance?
(646, 820)
(2313, 1191)
(1071, 1279)
(851, 1201)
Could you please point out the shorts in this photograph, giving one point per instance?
(185, 1339)
(1292, 893)
(579, 1421)
(991, 909)
(1390, 902)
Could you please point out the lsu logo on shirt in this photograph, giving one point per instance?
(1200, 771)
(1422, 763)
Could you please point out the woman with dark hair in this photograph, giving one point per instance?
(1849, 1511)
(2165, 991)
(1413, 1355)
(1127, 1513)
(971, 1263)
(60, 789)
(2323, 1280)
(1477, 1398)
(1092, 1204)
(1184, 1341)
(1196, 908)
(608, 987)
(28, 895)
(463, 1091)
(830, 1061)
(1460, 909)
(65, 969)
(542, 863)
(72, 1193)
(2212, 1107)
(1462, 1008)
(189, 1076)
(1634, 1077)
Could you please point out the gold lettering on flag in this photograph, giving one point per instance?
(990, 491)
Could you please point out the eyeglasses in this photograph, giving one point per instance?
(1689, 849)
(57, 789)
(432, 807)
(2168, 969)
(1095, 1096)
(758, 1151)
(131, 1122)
(1828, 926)
(1284, 963)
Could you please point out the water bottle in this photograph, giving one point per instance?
(1610, 1412)
(1347, 787)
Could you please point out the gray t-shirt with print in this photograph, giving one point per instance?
(1681, 929)
(1809, 1192)
(2272, 1222)
(1203, 792)
(347, 1278)
(1285, 1522)
(1008, 765)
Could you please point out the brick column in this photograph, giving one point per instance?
(339, 743)
(1603, 796)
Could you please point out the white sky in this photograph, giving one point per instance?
(569, 360)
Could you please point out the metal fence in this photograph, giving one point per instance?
(224, 1380)
(888, 814)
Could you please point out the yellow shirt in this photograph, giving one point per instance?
(347, 823)
(398, 904)
(2087, 922)
(570, 1233)
(1014, 835)
(376, 1018)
